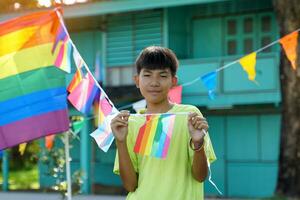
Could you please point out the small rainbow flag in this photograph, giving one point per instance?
(102, 108)
(77, 78)
(78, 74)
(84, 94)
(155, 135)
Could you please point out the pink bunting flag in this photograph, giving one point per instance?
(175, 94)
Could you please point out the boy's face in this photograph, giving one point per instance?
(155, 84)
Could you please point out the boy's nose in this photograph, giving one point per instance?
(154, 83)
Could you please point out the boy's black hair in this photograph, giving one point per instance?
(156, 57)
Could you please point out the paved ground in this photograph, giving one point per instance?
(51, 196)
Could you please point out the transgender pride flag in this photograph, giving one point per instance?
(83, 95)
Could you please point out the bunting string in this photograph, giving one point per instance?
(236, 61)
(247, 62)
(84, 63)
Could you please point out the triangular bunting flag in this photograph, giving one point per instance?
(289, 44)
(49, 141)
(77, 126)
(22, 148)
(248, 63)
(210, 82)
(175, 94)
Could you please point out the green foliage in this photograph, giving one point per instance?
(26, 161)
(23, 179)
(54, 160)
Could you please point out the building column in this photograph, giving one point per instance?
(85, 157)
(5, 170)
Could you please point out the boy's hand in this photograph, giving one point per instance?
(119, 126)
(196, 125)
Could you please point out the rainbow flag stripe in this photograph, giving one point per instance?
(32, 94)
(155, 135)
(102, 108)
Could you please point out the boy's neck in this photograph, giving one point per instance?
(161, 107)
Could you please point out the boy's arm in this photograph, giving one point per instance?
(119, 126)
(199, 167)
(196, 125)
(127, 172)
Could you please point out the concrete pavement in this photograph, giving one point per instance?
(52, 196)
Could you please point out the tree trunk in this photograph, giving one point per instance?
(288, 17)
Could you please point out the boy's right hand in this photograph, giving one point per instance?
(119, 126)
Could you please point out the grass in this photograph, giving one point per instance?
(23, 179)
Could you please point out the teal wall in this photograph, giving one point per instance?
(247, 154)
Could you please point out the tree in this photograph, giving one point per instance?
(288, 17)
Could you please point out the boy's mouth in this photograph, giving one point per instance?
(154, 92)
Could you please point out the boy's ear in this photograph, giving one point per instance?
(174, 81)
(136, 80)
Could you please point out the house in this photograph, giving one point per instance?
(206, 35)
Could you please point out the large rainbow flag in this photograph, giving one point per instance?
(33, 50)
(155, 135)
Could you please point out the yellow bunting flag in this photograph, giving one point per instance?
(248, 63)
(22, 148)
(289, 44)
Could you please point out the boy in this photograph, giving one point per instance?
(181, 174)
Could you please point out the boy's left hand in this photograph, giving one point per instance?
(196, 125)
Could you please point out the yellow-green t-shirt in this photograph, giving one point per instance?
(170, 178)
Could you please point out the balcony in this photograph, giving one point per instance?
(233, 86)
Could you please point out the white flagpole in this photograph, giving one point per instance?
(68, 169)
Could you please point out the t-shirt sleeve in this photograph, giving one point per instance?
(208, 148)
(132, 155)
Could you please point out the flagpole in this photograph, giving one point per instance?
(68, 169)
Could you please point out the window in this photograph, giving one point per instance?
(266, 24)
(248, 45)
(127, 34)
(247, 33)
(117, 76)
(266, 35)
(248, 25)
(231, 47)
(231, 30)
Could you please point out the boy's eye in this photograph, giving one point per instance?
(146, 74)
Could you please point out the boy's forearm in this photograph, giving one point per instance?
(199, 168)
(127, 173)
